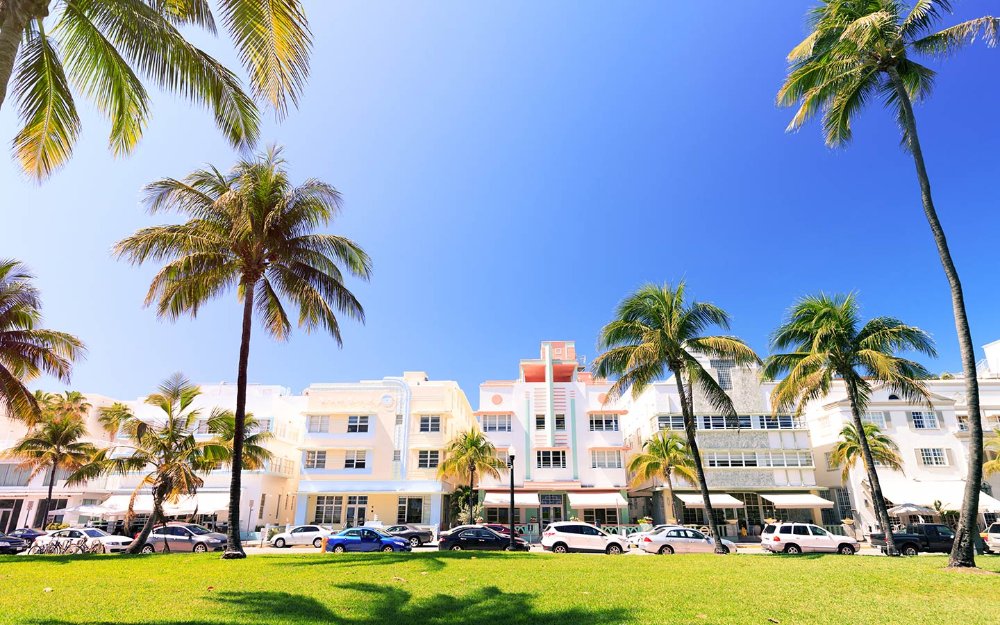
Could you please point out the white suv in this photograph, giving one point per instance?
(796, 538)
(992, 537)
(567, 536)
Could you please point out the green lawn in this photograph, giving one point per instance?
(307, 588)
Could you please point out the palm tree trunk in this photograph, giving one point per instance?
(48, 498)
(155, 517)
(234, 546)
(472, 492)
(963, 552)
(669, 506)
(687, 409)
(13, 21)
(866, 455)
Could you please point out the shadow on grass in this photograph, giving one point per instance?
(433, 561)
(377, 604)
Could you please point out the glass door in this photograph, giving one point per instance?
(552, 508)
(356, 506)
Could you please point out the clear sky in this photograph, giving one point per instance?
(514, 169)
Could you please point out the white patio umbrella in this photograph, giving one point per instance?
(910, 508)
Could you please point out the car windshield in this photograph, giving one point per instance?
(95, 533)
(383, 533)
(197, 529)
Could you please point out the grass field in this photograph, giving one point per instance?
(494, 589)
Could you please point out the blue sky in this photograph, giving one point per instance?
(514, 169)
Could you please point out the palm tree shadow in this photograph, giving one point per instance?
(433, 561)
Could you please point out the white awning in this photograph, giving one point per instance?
(203, 503)
(949, 493)
(798, 501)
(719, 500)
(503, 499)
(597, 500)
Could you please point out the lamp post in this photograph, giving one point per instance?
(510, 468)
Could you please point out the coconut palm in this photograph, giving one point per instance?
(109, 51)
(991, 467)
(26, 350)
(848, 449)
(69, 404)
(222, 424)
(656, 331)
(664, 455)
(253, 230)
(166, 450)
(54, 444)
(823, 340)
(859, 51)
(468, 453)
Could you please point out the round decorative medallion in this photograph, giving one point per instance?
(387, 400)
(497, 400)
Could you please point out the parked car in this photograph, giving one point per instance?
(992, 537)
(566, 536)
(678, 539)
(184, 537)
(27, 534)
(365, 539)
(411, 533)
(796, 538)
(500, 528)
(633, 540)
(480, 539)
(12, 545)
(92, 535)
(917, 538)
(301, 535)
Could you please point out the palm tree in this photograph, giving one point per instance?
(110, 50)
(27, 351)
(53, 444)
(166, 450)
(663, 455)
(468, 453)
(991, 467)
(861, 50)
(222, 424)
(70, 404)
(848, 449)
(655, 331)
(249, 229)
(826, 341)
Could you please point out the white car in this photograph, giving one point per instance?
(566, 536)
(992, 537)
(93, 536)
(301, 535)
(636, 538)
(677, 539)
(796, 538)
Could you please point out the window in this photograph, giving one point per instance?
(561, 422)
(357, 424)
(318, 424)
(260, 508)
(606, 459)
(963, 424)
(878, 418)
(12, 475)
(410, 510)
(397, 455)
(539, 422)
(600, 516)
(603, 423)
(933, 457)
(502, 515)
(726, 459)
(780, 422)
(399, 419)
(495, 422)
(550, 500)
(817, 531)
(202, 427)
(427, 459)
(670, 422)
(430, 423)
(725, 370)
(550, 459)
(264, 425)
(924, 420)
(315, 459)
(355, 459)
(800, 530)
(328, 509)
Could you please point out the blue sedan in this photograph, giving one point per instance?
(365, 539)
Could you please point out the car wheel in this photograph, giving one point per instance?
(200, 548)
(560, 548)
(666, 550)
(793, 550)
(147, 549)
(414, 542)
(910, 550)
(456, 547)
(725, 549)
(845, 550)
(387, 549)
(339, 549)
(280, 543)
(318, 543)
(614, 549)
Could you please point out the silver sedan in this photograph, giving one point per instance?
(682, 540)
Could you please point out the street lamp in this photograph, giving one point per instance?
(510, 468)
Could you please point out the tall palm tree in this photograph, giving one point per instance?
(253, 230)
(53, 444)
(826, 341)
(26, 350)
(664, 455)
(109, 51)
(468, 453)
(849, 449)
(70, 404)
(166, 449)
(858, 51)
(991, 467)
(656, 331)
